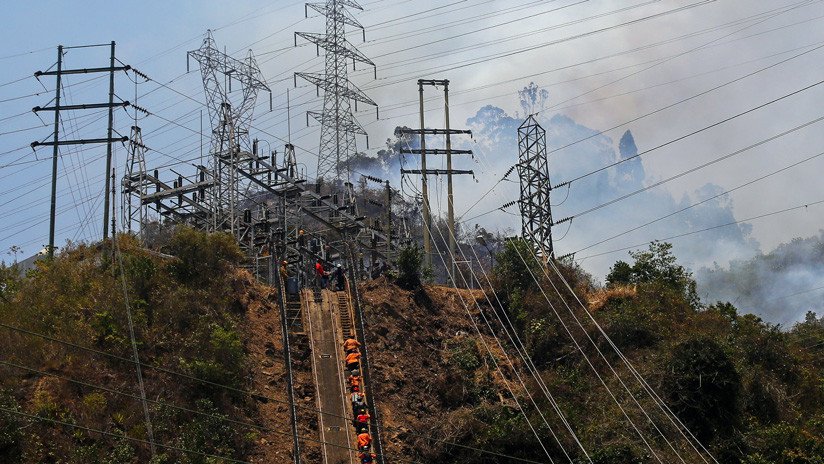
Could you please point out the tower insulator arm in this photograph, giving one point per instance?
(349, 91)
(345, 49)
(342, 16)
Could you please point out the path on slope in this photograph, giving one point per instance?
(327, 365)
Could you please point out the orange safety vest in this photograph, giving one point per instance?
(350, 344)
(354, 381)
(364, 440)
(352, 358)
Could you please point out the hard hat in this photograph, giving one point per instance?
(338, 264)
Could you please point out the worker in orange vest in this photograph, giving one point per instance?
(350, 345)
(353, 360)
(284, 271)
(354, 381)
(364, 440)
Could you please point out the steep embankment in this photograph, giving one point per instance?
(264, 345)
(429, 367)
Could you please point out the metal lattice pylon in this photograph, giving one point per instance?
(230, 114)
(533, 171)
(134, 185)
(338, 124)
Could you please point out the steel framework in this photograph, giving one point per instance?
(338, 124)
(533, 171)
(230, 114)
(134, 185)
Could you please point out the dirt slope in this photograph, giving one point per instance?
(417, 341)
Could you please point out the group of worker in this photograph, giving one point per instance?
(322, 275)
(357, 397)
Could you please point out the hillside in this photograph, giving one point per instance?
(209, 342)
(750, 391)
(210, 346)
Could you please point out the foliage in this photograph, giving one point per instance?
(616, 454)
(9, 281)
(659, 266)
(703, 387)
(221, 361)
(10, 428)
(107, 329)
(515, 268)
(465, 356)
(207, 433)
(187, 311)
(202, 257)
(122, 452)
(410, 267)
(787, 444)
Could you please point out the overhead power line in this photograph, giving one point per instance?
(238, 390)
(706, 200)
(726, 224)
(118, 436)
(677, 139)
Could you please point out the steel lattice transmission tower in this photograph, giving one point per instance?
(533, 171)
(338, 124)
(135, 185)
(230, 114)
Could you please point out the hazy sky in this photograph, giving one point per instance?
(603, 63)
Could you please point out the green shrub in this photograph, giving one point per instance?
(515, 267)
(221, 360)
(656, 265)
(786, 444)
(9, 282)
(410, 267)
(703, 387)
(10, 429)
(615, 454)
(202, 257)
(123, 452)
(227, 346)
(107, 330)
(207, 433)
(465, 356)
